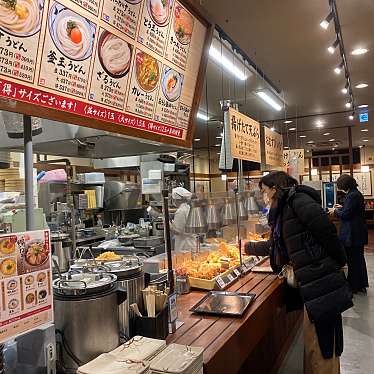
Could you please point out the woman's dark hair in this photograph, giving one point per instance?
(346, 183)
(279, 180)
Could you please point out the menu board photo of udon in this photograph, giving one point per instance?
(133, 66)
(26, 300)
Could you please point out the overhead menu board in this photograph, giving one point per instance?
(273, 147)
(244, 137)
(133, 63)
(26, 283)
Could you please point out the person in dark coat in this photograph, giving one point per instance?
(303, 237)
(353, 232)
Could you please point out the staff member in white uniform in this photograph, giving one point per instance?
(183, 240)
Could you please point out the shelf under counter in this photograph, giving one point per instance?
(238, 345)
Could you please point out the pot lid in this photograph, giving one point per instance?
(126, 267)
(83, 282)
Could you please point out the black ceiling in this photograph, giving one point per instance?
(285, 40)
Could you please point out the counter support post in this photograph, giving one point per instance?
(28, 165)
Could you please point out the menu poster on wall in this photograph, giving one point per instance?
(19, 39)
(90, 5)
(123, 15)
(154, 24)
(144, 82)
(273, 148)
(294, 154)
(179, 36)
(103, 60)
(111, 70)
(244, 137)
(25, 282)
(168, 97)
(67, 51)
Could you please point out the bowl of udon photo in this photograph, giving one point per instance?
(37, 253)
(183, 24)
(171, 84)
(159, 10)
(114, 54)
(147, 71)
(21, 18)
(72, 34)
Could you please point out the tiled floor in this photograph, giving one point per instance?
(358, 356)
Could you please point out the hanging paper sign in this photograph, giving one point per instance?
(244, 137)
(294, 154)
(273, 148)
(26, 283)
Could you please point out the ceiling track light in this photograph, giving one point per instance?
(325, 23)
(352, 116)
(332, 47)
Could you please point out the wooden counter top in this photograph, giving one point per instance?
(229, 342)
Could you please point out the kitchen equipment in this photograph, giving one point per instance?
(224, 303)
(242, 209)
(212, 217)
(196, 220)
(130, 277)
(127, 239)
(61, 248)
(182, 284)
(158, 227)
(229, 212)
(121, 196)
(86, 316)
(147, 242)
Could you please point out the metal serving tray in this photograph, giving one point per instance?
(223, 303)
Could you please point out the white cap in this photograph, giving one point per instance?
(180, 193)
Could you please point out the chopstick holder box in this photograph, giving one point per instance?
(156, 328)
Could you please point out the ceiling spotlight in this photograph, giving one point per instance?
(218, 137)
(319, 124)
(327, 133)
(332, 47)
(361, 85)
(333, 149)
(325, 23)
(344, 90)
(286, 147)
(339, 68)
(218, 145)
(348, 104)
(197, 139)
(365, 140)
(310, 142)
(352, 116)
(364, 130)
(221, 134)
(360, 146)
(287, 122)
(302, 136)
(359, 51)
(365, 168)
(272, 128)
(363, 106)
(331, 140)
(292, 128)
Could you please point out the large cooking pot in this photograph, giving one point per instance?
(86, 316)
(130, 277)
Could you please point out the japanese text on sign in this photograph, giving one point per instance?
(244, 136)
(273, 148)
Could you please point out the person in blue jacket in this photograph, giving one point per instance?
(353, 232)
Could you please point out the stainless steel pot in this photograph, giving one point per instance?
(86, 316)
(61, 247)
(130, 277)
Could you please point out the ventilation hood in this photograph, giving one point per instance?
(61, 139)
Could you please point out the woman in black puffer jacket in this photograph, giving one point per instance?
(303, 237)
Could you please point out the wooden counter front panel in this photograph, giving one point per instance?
(230, 342)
